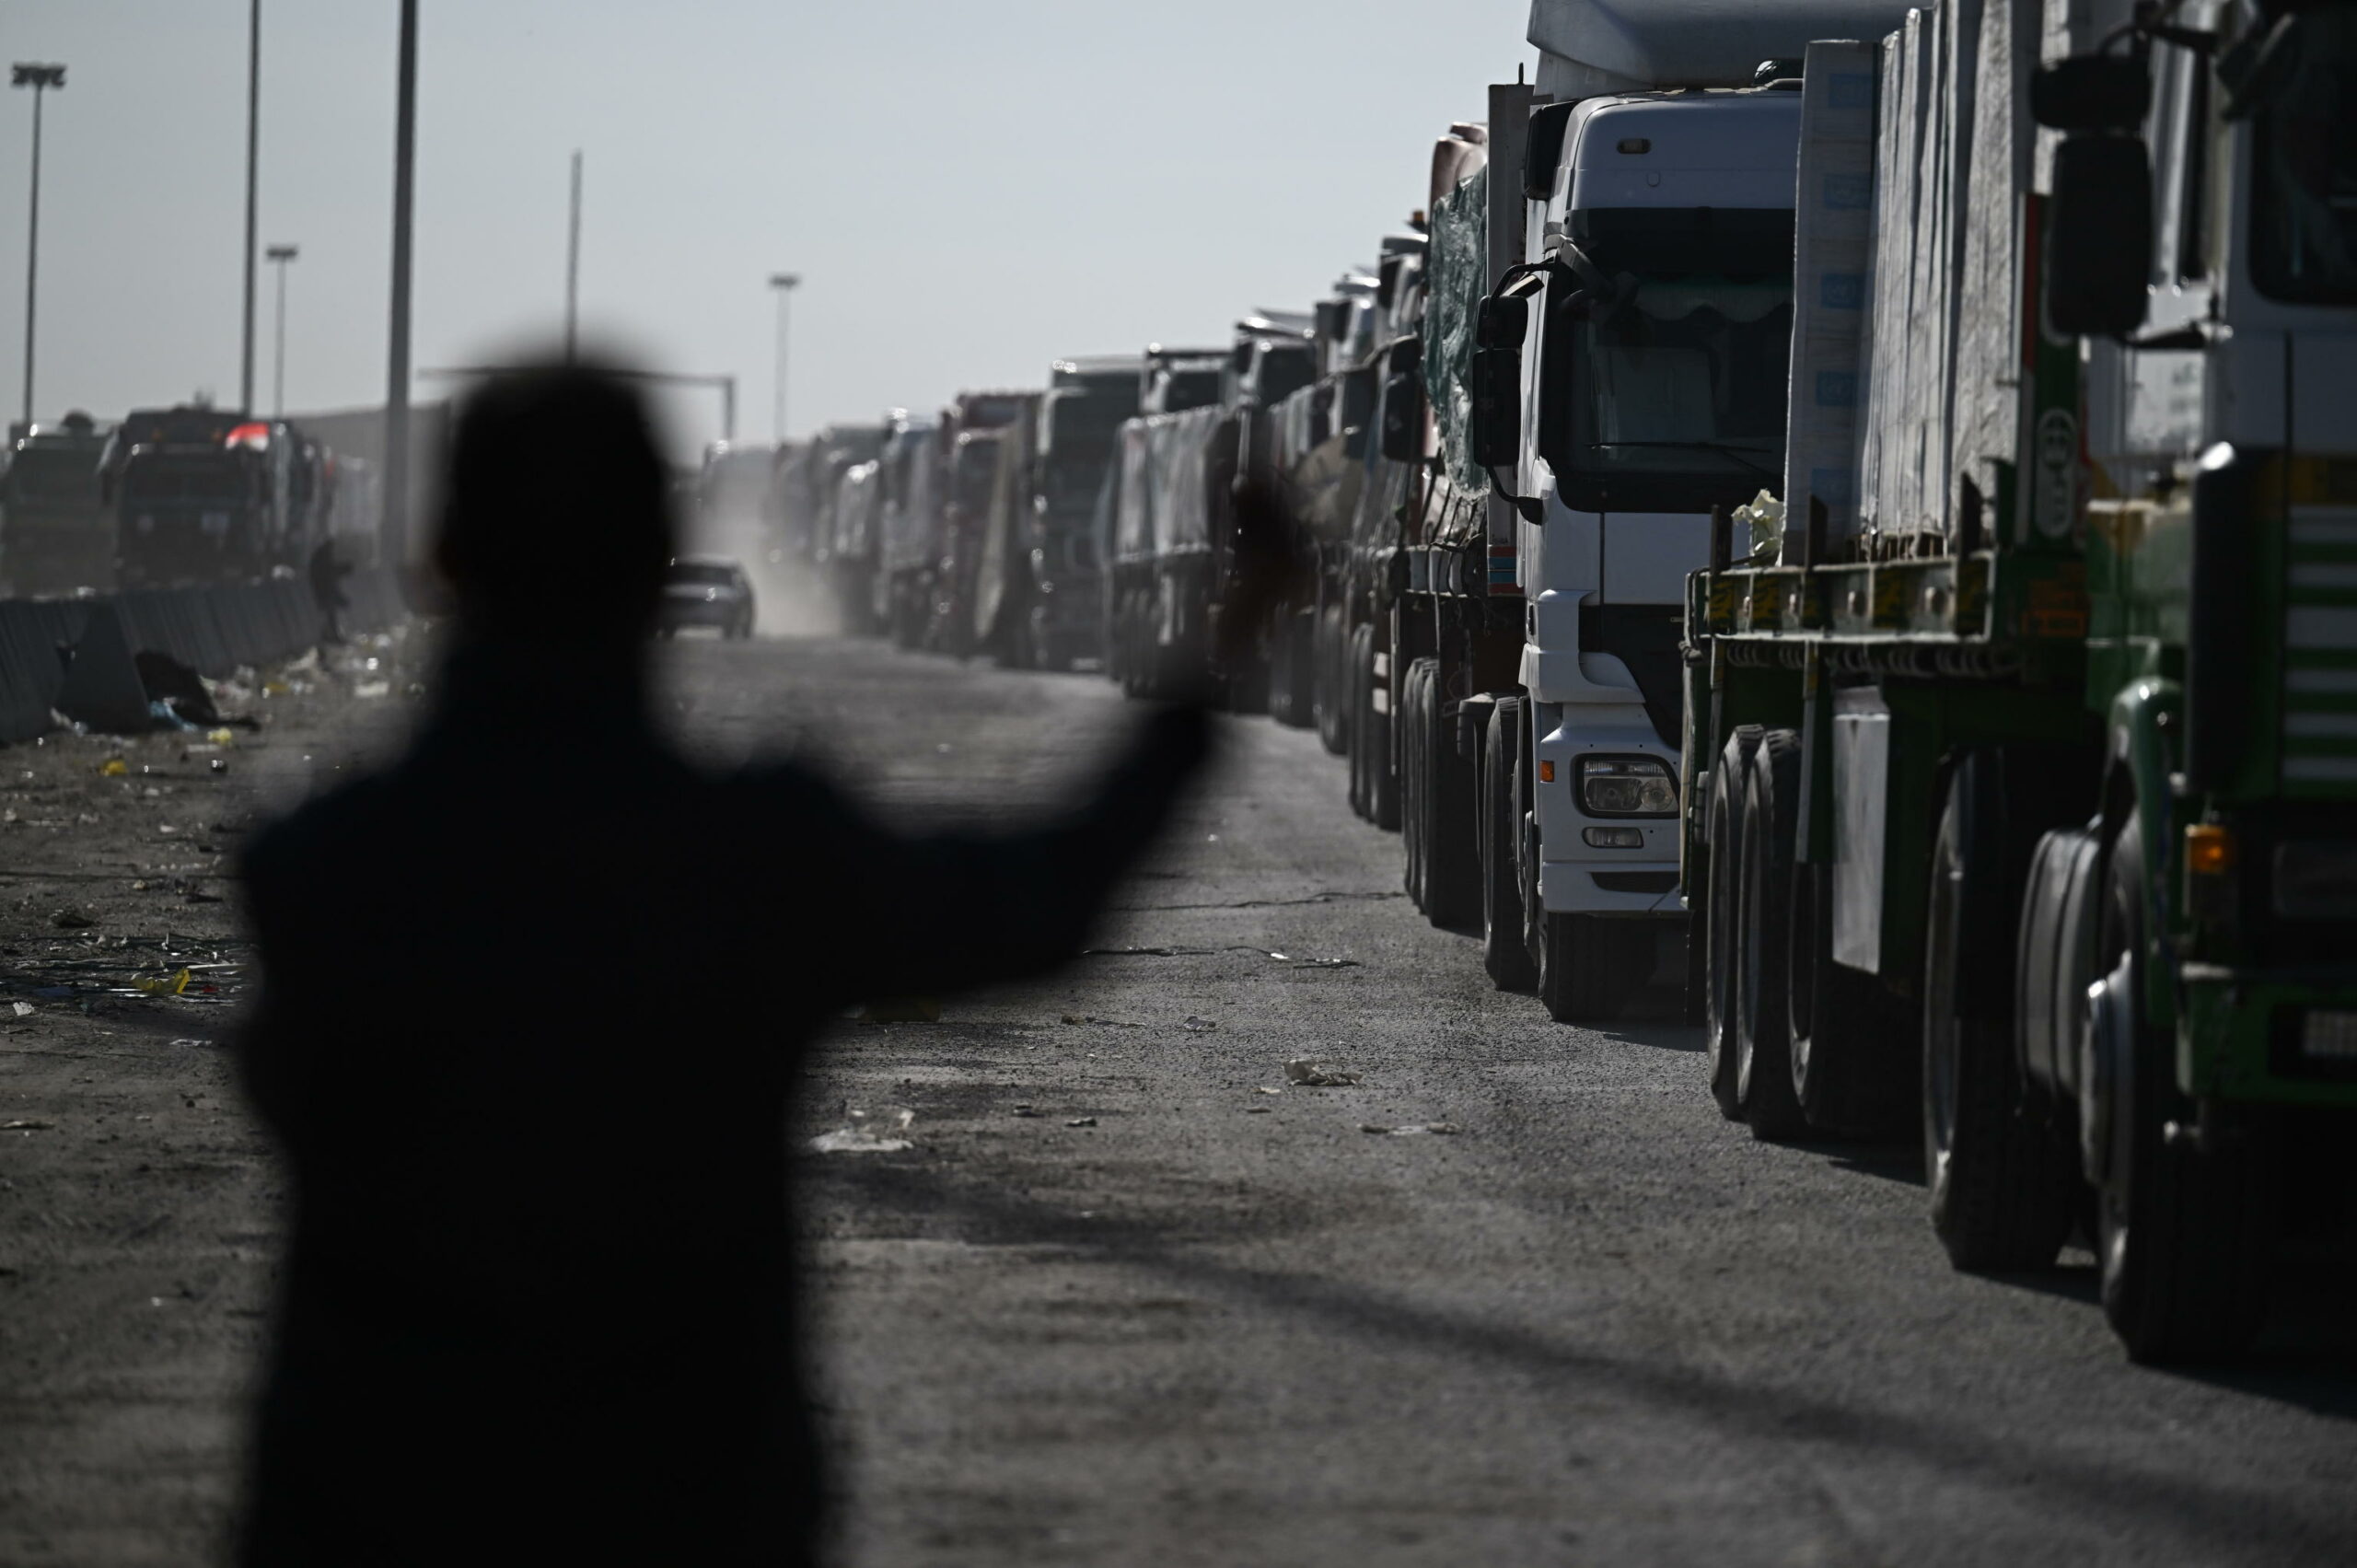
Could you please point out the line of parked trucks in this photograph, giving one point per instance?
(1849, 509)
(170, 497)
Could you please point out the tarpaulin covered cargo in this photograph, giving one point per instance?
(1936, 378)
(1458, 276)
(1834, 205)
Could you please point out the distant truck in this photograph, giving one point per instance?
(203, 496)
(2021, 760)
(1038, 605)
(56, 536)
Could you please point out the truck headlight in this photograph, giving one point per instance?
(1627, 786)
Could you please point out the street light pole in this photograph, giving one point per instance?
(394, 530)
(40, 78)
(573, 268)
(784, 284)
(279, 256)
(253, 197)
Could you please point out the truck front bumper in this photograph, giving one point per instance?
(2244, 1036)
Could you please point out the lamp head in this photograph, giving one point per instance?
(33, 75)
(283, 252)
(785, 280)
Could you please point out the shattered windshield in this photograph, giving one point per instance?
(2304, 222)
(1685, 377)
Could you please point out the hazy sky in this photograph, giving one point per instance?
(968, 189)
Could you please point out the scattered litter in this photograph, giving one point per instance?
(190, 1045)
(114, 768)
(1317, 1072)
(1082, 1122)
(1323, 963)
(27, 1124)
(863, 1132)
(367, 688)
(218, 765)
(1138, 952)
(1093, 1018)
(1196, 1023)
(1259, 1109)
(857, 1141)
(1411, 1130)
(169, 985)
(223, 736)
(1264, 1089)
(199, 896)
(1028, 1111)
(902, 1010)
(72, 920)
(24, 1009)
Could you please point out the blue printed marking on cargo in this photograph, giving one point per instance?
(1842, 290)
(1849, 193)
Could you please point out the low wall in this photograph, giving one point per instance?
(214, 631)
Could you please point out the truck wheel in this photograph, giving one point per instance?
(1452, 805)
(2003, 1188)
(1358, 663)
(1328, 697)
(1722, 920)
(1414, 682)
(1764, 892)
(1589, 968)
(2185, 1236)
(1838, 1019)
(1383, 755)
(1506, 944)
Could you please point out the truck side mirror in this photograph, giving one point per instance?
(1403, 420)
(1501, 321)
(1497, 407)
(2099, 242)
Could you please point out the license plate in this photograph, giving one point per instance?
(2330, 1037)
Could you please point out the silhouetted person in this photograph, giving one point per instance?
(532, 1004)
(327, 572)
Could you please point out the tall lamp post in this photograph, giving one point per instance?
(40, 78)
(279, 256)
(254, 199)
(784, 284)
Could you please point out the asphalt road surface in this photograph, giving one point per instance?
(1128, 1295)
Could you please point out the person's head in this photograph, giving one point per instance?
(555, 524)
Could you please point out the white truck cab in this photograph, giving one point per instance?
(1656, 333)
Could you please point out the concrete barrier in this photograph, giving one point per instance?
(212, 630)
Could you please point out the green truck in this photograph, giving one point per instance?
(2020, 761)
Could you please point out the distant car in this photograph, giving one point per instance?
(706, 590)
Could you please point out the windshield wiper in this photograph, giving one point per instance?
(1720, 447)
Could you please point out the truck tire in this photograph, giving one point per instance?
(1382, 753)
(1589, 967)
(1505, 942)
(2184, 1232)
(1414, 682)
(2002, 1185)
(1838, 1021)
(1763, 898)
(1452, 806)
(1329, 696)
(1721, 925)
(1357, 670)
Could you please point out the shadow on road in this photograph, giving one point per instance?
(2228, 1517)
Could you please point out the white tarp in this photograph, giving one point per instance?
(1939, 380)
(1162, 500)
(1626, 44)
(1834, 203)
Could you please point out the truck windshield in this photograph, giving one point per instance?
(2304, 224)
(186, 482)
(1685, 378)
(51, 476)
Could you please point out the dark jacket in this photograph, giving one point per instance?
(533, 1002)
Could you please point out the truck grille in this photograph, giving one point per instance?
(2320, 651)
